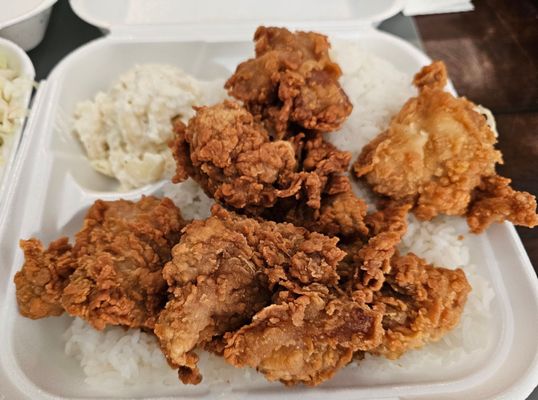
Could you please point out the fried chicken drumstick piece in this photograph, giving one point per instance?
(439, 153)
(112, 275)
(292, 80)
(223, 271)
(495, 201)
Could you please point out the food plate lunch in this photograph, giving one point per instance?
(318, 216)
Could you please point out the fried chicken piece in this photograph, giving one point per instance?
(42, 278)
(222, 273)
(113, 273)
(495, 201)
(369, 240)
(435, 153)
(330, 207)
(217, 285)
(121, 252)
(323, 166)
(339, 215)
(435, 150)
(421, 303)
(433, 76)
(306, 336)
(309, 334)
(371, 256)
(233, 158)
(292, 80)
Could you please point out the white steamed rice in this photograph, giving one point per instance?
(116, 355)
(377, 91)
(190, 198)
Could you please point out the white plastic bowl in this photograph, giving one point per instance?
(25, 21)
(18, 60)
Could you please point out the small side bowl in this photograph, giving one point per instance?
(19, 61)
(28, 29)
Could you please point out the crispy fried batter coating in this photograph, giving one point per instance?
(329, 205)
(233, 158)
(42, 278)
(222, 273)
(436, 152)
(339, 215)
(421, 303)
(292, 80)
(495, 201)
(216, 284)
(306, 336)
(113, 273)
(369, 240)
(386, 226)
(323, 166)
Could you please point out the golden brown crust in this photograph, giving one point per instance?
(386, 229)
(323, 165)
(436, 150)
(233, 158)
(180, 151)
(433, 76)
(436, 153)
(223, 271)
(112, 275)
(329, 205)
(43, 276)
(421, 304)
(292, 80)
(305, 337)
(229, 154)
(339, 215)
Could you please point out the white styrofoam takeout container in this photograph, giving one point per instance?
(18, 60)
(53, 185)
(25, 21)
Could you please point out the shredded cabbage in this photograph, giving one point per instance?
(13, 89)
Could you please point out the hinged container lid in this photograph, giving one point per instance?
(237, 15)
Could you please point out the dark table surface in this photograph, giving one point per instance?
(492, 58)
